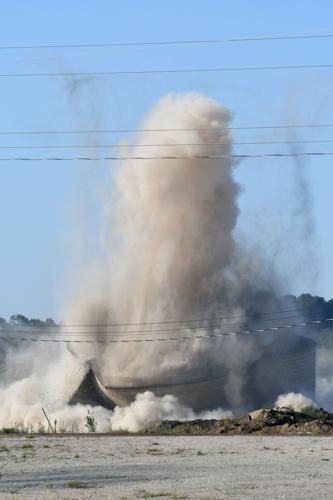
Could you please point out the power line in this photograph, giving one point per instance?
(173, 321)
(167, 339)
(220, 325)
(291, 36)
(193, 157)
(123, 131)
(105, 146)
(166, 71)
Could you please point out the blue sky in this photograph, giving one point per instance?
(41, 203)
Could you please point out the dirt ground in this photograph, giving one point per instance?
(166, 467)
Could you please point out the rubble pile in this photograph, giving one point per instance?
(264, 421)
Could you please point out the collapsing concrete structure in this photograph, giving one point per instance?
(286, 364)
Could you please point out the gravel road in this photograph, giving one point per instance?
(166, 467)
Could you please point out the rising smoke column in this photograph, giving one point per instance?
(170, 251)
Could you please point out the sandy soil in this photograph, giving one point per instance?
(165, 467)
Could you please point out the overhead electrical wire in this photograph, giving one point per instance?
(164, 71)
(165, 157)
(168, 339)
(105, 146)
(250, 38)
(122, 131)
(50, 330)
(238, 316)
(126, 131)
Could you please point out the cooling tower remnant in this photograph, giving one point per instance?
(288, 364)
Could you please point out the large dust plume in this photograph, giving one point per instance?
(169, 253)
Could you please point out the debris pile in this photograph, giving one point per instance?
(264, 421)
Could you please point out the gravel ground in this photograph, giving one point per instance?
(165, 467)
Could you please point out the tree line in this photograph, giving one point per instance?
(20, 320)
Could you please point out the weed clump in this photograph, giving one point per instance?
(91, 423)
(76, 484)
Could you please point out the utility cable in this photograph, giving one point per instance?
(51, 331)
(255, 38)
(191, 320)
(170, 157)
(165, 71)
(198, 129)
(168, 339)
(105, 146)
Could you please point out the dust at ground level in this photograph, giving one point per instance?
(164, 467)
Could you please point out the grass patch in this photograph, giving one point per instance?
(154, 451)
(155, 494)
(159, 494)
(26, 446)
(178, 451)
(76, 484)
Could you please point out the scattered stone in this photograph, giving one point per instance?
(263, 421)
(253, 415)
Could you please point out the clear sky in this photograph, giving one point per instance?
(285, 204)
